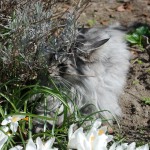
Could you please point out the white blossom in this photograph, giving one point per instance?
(13, 121)
(96, 139)
(126, 146)
(18, 147)
(3, 136)
(39, 145)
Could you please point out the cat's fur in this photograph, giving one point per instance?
(96, 69)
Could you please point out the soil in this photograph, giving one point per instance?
(135, 124)
(136, 121)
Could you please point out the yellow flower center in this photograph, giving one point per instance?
(100, 132)
(14, 119)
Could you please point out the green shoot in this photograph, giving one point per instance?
(136, 38)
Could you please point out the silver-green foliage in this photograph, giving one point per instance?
(31, 33)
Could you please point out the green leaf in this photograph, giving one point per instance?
(9, 100)
(146, 100)
(91, 22)
(142, 30)
(140, 62)
(131, 39)
(136, 36)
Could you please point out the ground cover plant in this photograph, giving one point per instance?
(25, 40)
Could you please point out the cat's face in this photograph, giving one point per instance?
(71, 65)
(66, 66)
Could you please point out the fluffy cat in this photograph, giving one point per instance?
(96, 70)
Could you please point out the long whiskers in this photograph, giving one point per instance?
(66, 83)
(81, 75)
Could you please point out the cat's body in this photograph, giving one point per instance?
(97, 70)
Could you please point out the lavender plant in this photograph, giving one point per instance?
(30, 31)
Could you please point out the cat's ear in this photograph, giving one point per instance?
(87, 51)
(89, 45)
(90, 41)
(98, 44)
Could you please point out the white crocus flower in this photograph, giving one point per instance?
(125, 146)
(18, 147)
(3, 139)
(31, 145)
(131, 146)
(13, 120)
(113, 146)
(40, 145)
(3, 136)
(78, 140)
(144, 147)
(75, 138)
(5, 129)
(96, 139)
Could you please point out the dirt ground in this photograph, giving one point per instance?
(135, 124)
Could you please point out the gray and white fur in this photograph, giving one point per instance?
(96, 69)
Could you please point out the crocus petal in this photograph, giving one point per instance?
(22, 116)
(70, 131)
(19, 117)
(18, 147)
(100, 142)
(6, 120)
(49, 143)
(109, 138)
(119, 147)
(30, 145)
(39, 143)
(5, 128)
(13, 126)
(3, 139)
(144, 147)
(16, 118)
(97, 123)
(76, 139)
(122, 146)
(113, 146)
(131, 146)
(92, 133)
(76, 132)
(82, 142)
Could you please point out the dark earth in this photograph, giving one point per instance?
(135, 125)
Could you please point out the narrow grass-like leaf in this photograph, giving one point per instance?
(2, 112)
(4, 96)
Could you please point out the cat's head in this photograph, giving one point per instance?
(70, 65)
